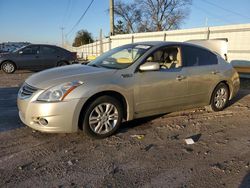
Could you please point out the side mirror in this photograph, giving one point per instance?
(150, 66)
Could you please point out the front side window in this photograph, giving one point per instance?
(18, 49)
(167, 57)
(121, 57)
(30, 50)
(194, 56)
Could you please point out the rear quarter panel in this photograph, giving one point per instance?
(233, 81)
(67, 56)
(230, 75)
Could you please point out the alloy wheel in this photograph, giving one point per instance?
(8, 67)
(221, 98)
(103, 118)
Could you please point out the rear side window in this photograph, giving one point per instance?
(47, 50)
(194, 56)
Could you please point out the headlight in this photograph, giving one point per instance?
(58, 93)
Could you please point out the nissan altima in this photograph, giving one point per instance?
(126, 83)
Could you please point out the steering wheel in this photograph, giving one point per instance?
(111, 60)
(163, 65)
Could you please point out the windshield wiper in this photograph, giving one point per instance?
(103, 66)
(94, 65)
(108, 67)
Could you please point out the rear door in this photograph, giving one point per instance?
(203, 73)
(48, 57)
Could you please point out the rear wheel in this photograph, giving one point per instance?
(219, 98)
(62, 63)
(102, 117)
(8, 67)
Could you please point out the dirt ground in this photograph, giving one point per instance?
(158, 158)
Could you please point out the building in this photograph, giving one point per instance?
(238, 37)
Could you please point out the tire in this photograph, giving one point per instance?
(62, 63)
(219, 98)
(106, 114)
(8, 67)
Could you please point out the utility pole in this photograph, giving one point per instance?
(206, 21)
(62, 28)
(101, 43)
(208, 30)
(111, 14)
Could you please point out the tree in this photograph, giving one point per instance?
(152, 15)
(129, 13)
(82, 37)
(120, 28)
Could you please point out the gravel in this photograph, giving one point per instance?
(219, 158)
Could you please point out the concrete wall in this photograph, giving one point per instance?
(238, 40)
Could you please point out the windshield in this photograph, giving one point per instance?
(121, 57)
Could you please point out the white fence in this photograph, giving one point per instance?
(238, 37)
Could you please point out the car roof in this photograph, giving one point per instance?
(49, 45)
(164, 43)
(160, 43)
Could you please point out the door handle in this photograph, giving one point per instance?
(180, 77)
(215, 72)
(37, 56)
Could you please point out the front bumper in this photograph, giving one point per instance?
(61, 117)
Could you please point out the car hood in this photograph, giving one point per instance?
(51, 77)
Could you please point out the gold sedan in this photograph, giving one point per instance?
(125, 83)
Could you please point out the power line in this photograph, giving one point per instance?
(62, 28)
(81, 17)
(70, 5)
(66, 11)
(225, 9)
(213, 15)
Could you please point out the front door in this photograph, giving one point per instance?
(164, 90)
(28, 57)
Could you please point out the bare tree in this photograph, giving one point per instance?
(120, 28)
(129, 14)
(152, 15)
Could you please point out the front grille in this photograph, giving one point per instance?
(26, 91)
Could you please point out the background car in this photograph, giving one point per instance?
(36, 57)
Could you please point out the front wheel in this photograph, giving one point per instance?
(102, 117)
(8, 67)
(219, 98)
